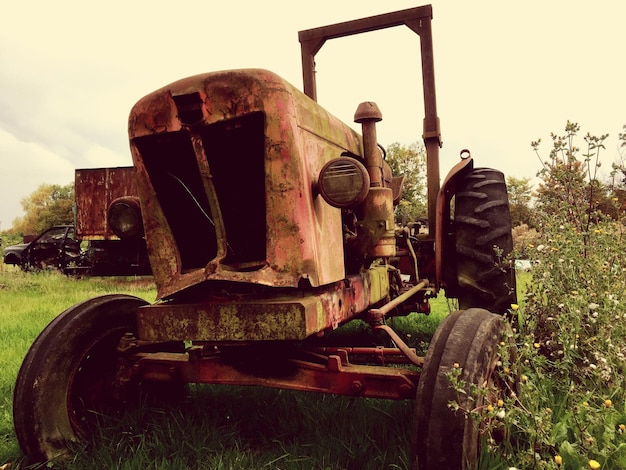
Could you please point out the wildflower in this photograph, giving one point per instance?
(500, 403)
(585, 404)
(500, 414)
(536, 345)
(594, 464)
(456, 365)
(622, 428)
(524, 378)
(490, 408)
(608, 403)
(548, 410)
(558, 459)
(593, 306)
(514, 307)
(574, 292)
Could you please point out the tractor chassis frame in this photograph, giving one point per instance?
(373, 372)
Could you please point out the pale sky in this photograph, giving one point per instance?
(507, 73)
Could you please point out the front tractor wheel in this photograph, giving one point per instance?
(466, 342)
(482, 224)
(67, 377)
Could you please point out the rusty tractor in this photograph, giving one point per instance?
(250, 281)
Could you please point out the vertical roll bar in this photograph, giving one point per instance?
(418, 19)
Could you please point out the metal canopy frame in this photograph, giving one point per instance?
(418, 19)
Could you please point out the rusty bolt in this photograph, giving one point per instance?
(357, 387)
(127, 342)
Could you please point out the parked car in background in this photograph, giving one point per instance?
(56, 248)
(59, 248)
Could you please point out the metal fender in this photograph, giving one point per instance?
(446, 192)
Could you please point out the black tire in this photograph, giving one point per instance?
(67, 376)
(482, 220)
(447, 439)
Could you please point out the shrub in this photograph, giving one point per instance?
(570, 330)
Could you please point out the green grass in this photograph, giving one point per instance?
(28, 302)
(215, 426)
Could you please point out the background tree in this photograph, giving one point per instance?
(409, 161)
(569, 179)
(49, 204)
(520, 197)
(617, 180)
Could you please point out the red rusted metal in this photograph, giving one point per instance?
(448, 189)
(94, 190)
(283, 317)
(331, 373)
(317, 267)
(304, 234)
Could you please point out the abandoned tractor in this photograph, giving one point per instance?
(269, 223)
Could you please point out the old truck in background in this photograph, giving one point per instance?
(90, 247)
(105, 198)
(269, 224)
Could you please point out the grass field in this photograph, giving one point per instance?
(216, 426)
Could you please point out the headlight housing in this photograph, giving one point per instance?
(343, 182)
(124, 217)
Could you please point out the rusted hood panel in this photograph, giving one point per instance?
(303, 233)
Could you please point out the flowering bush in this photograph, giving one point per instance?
(571, 333)
(570, 328)
(524, 241)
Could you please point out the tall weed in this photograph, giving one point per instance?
(569, 412)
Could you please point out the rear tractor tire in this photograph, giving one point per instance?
(482, 221)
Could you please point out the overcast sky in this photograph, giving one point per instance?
(507, 73)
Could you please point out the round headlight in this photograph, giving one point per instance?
(125, 217)
(344, 182)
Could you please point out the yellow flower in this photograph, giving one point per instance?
(524, 378)
(536, 345)
(548, 410)
(608, 403)
(594, 464)
(558, 459)
(514, 307)
(500, 403)
(489, 408)
(622, 428)
(456, 365)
